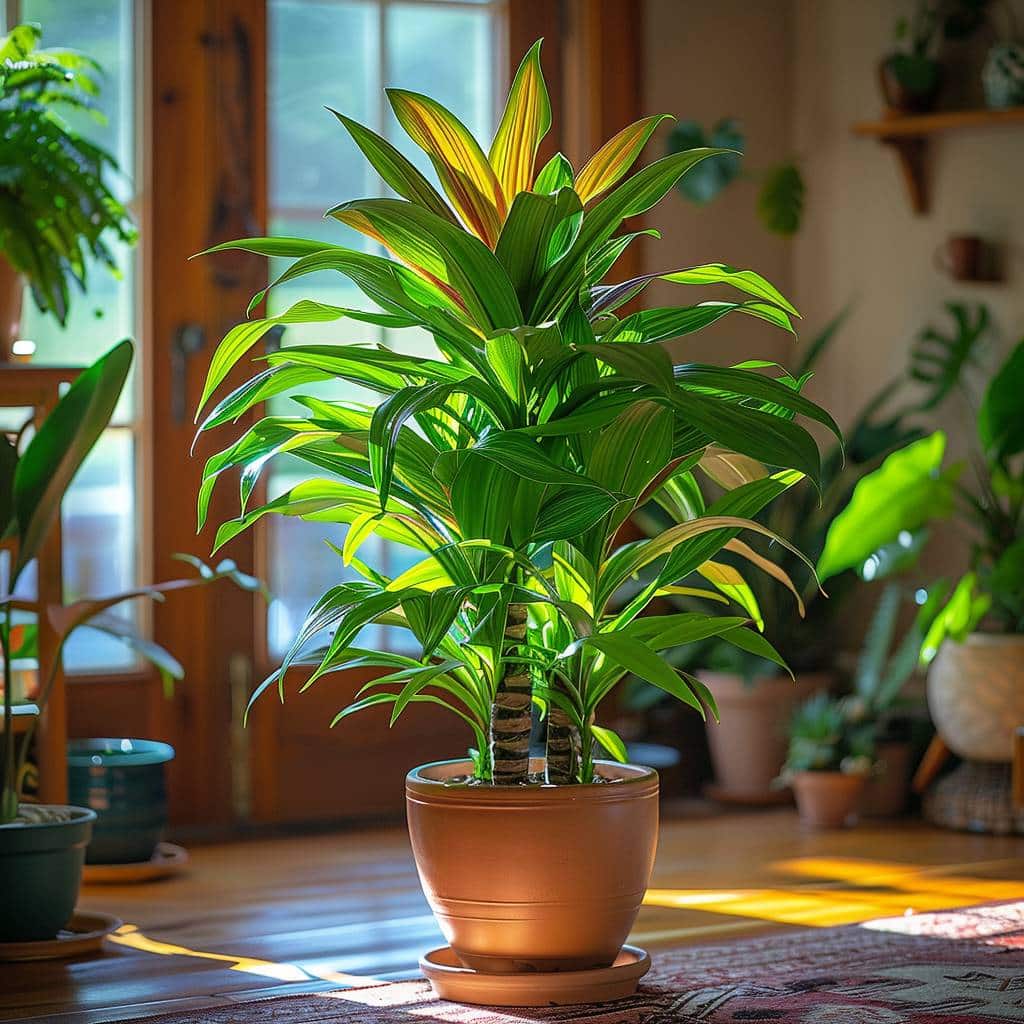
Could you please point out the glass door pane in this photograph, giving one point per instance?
(101, 528)
(342, 54)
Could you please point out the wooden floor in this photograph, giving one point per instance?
(278, 915)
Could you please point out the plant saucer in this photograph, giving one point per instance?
(167, 860)
(459, 984)
(84, 933)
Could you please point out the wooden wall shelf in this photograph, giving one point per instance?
(908, 136)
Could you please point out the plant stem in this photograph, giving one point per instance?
(562, 746)
(510, 712)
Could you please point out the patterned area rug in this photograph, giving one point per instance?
(940, 968)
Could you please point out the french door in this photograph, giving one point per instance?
(219, 106)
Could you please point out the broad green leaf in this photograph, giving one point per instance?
(611, 742)
(731, 583)
(556, 174)
(615, 157)
(60, 445)
(450, 258)
(1001, 416)
(280, 246)
(395, 169)
(634, 196)
(743, 280)
(638, 658)
(903, 494)
(463, 170)
(241, 338)
(265, 385)
(525, 122)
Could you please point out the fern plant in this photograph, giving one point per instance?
(56, 208)
(510, 462)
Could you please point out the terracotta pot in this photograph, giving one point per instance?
(533, 878)
(976, 695)
(885, 794)
(12, 290)
(827, 799)
(748, 746)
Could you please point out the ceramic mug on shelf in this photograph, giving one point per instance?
(962, 257)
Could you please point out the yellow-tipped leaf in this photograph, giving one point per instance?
(615, 158)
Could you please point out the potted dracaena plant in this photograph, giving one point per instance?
(42, 846)
(57, 211)
(509, 462)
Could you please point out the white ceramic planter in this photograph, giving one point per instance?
(976, 695)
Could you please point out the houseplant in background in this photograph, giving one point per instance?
(748, 746)
(57, 212)
(828, 761)
(780, 200)
(911, 76)
(509, 463)
(41, 846)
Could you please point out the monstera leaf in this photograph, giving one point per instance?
(704, 183)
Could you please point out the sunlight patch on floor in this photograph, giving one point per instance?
(852, 890)
(132, 937)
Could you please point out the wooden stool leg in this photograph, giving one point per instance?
(931, 764)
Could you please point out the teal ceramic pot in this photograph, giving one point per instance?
(122, 780)
(40, 872)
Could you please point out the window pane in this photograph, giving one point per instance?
(328, 53)
(99, 514)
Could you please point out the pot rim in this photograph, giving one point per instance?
(634, 782)
(982, 639)
(83, 816)
(82, 753)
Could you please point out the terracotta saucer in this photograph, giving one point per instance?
(459, 984)
(84, 933)
(167, 860)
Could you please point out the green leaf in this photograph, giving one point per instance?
(444, 253)
(523, 125)
(938, 361)
(59, 447)
(1001, 416)
(463, 170)
(611, 742)
(556, 174)
(780, 204)
(638, 658)
(615, 157)
(903, 494)
(705, 182)
(396, 171)
(743, 280)
(634, 196)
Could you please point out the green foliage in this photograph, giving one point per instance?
(938, 361)
(780, 204)
(780, 201)
(32, 487)
(509, 464)
(56, 209)
(829, 734)
(712, 176)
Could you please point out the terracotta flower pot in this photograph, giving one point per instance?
(827, 799)
(748, 746)
(12, 289)
(976, 695)
(533, 878)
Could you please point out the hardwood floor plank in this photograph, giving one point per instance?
(275, 916)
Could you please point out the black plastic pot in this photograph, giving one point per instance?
(40, 873)
(910, 85)
(122, 780)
